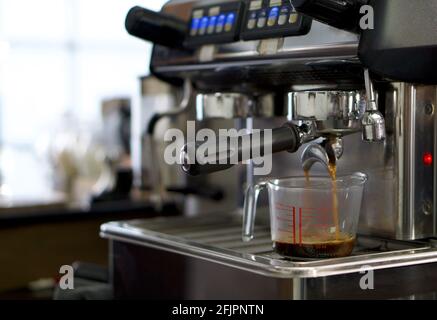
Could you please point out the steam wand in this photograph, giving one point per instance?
(373, 121)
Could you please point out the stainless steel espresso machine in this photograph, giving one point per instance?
(336, 88)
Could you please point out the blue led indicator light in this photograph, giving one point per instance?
(204, 22)
(274, 12)
(212, 21)
(230, 19)
(195, 23)
(221, 20)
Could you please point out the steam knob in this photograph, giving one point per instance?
(342, 14)
(156, 27)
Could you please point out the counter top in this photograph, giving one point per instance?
(55, 212)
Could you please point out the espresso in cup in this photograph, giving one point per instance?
(317, 248)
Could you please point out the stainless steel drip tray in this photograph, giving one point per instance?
(218, 239)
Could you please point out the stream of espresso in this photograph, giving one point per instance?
(332, 168)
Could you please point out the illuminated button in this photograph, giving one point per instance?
(271, 22)
(284, 10)
(211, 25)
(274, 12)
(262, 14)
(229, 22)
(273, 16)
(230, 18)
(251, 24)
(220, 23)
(262, 19)
(282, 19)
(428, 159)
(293, 18)
(261, 22)
(203, 25)
(195, 23)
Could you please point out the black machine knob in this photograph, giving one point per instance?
(342, 14)
(159, 28)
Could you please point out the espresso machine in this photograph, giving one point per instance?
(334, 92)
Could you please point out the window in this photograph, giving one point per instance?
(64, 56)
(59, 57)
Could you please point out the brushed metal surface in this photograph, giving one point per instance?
(218, 240)
(338, 112)
(399, 185)
(233, 105)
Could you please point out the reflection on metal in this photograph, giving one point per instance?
(327, 153)
(218, 239)
(333, 112)
(373, 121)
(233, 105)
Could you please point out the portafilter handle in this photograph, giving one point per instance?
(287, 138)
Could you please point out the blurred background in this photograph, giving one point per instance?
(59, 60)
(69, 81)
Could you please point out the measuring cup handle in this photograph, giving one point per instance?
(250, 203)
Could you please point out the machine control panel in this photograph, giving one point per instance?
(245, 20)
(215, 24)
(272, 18)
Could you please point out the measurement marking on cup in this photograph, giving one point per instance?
(316, 210)
(293, 219)
(294, 224)
(284, 205)
(305, 210)
(321, 225)
(284, 219)
(319, 219)
(313, 215)
(300, 225)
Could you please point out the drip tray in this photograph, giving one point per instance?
(218, 239)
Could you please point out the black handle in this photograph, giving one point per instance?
(342, 14)
(159, 28)
(283, 139)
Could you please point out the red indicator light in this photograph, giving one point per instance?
(427, 159)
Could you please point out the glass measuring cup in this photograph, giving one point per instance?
(312, 218)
